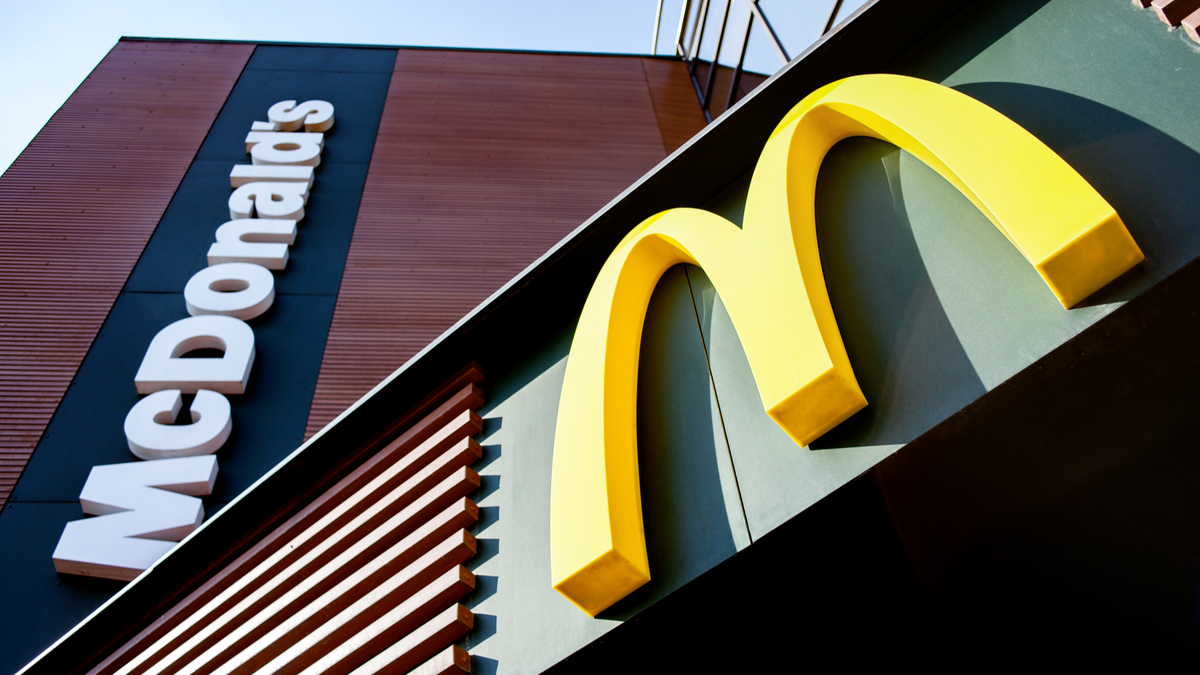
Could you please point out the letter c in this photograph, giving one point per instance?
(152, 434)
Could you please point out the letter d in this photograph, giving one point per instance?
(163, 368)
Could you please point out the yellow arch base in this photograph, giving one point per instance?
(770, 279)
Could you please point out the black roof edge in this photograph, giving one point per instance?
(874, 37)
(356, 45)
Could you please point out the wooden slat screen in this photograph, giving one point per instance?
(368, 575)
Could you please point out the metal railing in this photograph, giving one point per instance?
(691, 30)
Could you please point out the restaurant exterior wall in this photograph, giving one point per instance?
(1020, 485)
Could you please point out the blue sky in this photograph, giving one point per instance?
(47, 48)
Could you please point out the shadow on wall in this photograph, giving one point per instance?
(681, 449)
(1062, 506)
(1149, 177)
(908, 359)
(980, 548)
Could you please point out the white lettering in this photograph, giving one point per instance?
(152, 434)
(267, 147)
(276, 173)
(314, 115)
(237, 289)
(269, 200)
(254, 240)
(140, 515)
(163, 368)
(145, 506)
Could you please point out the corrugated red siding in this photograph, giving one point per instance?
(482, 163)
(77, 208)
(747, 83)
(675, 103)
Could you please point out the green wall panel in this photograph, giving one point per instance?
(776, 478)
(936, 307)
(1109, 89)
(692, 512)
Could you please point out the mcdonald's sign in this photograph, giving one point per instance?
(769, 276)
(676, 392)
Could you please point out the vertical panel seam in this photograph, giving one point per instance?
(654, 107)
(720, 416)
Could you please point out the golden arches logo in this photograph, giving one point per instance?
(770, 280)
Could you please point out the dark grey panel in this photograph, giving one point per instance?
(40, 606)
(357, 99)
(1060, 510)
(323, 59)
(180, 244)
(323, 237)
(268, 421)
(1054, 520)
(833, 584)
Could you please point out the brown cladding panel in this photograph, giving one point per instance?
(76, 210)
(675, 102)
(483, 162)
(747, 82)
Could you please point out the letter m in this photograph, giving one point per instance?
(770, 279)
(143, 507)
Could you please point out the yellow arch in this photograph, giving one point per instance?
(769, 278)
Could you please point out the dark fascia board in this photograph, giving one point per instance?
(353, 45)
(870, 41)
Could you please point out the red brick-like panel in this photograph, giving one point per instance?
(77, 208)
(747, 82)
(482, 163)
(675, 102)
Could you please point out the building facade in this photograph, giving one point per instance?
(1020, 480)
(446, 174)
